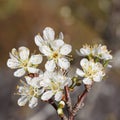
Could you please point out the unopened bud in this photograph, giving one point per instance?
(61, 104)
(74, 79)
(60, 111)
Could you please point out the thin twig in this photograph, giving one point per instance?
(69, 103)
(80, 101)
(64, 117)
(68, 99)
(53, 104)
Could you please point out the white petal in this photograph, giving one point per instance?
(58, 96)
(13, 57)
(45, 83)
(87, 81)
(28, 79)
(45, 50)
(14, 52)
(19, 73)
(21, 89)
(35, 82)
(13, 64)
(32, 70)
(80, 72)
(61, 36)
(84, 51)
(106, 56)
(22, 101)
(47, 95)
(84, 62)
(63, 63)
(50, 65)
(66, 49)
(33, 102)
(36, 59)
(56, 44)
(109, 66)
(24, 53)
(48, 33)
(38, 40)
(98, 77)
(68, 82)
(48, 74)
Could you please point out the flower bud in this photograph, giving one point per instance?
(61, 104)
(60, 111)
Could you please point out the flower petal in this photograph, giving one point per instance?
(66, 49)
(56, 44)
(21, 89)
(13, 64)
(24, 53)
(33, 102)
(47, 95)
(98, 77)
(63, 63)
(50, 65)
(38, 40)
(28, 80)
(48, 33)
(22, 101)
(87, 81)
(84, 51)
(32, 70)
(61, 36)
(35, 82)
(36, 59)
(80, 72)
(19, 73)
(84, 62)
(58, 96)
(45, 50)
(45, 83)
(14, 52)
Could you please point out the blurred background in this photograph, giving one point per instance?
(81, 21)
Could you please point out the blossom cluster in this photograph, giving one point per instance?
(50, 83)
(93, 66)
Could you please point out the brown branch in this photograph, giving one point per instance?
(68, 102)
(64, 117)
(53, 104)
(68, 99)
(80, 101)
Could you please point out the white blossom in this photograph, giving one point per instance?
(21, 61)
(87, 50)
(54, 49)
(54, 83)
(48, 38)
(99, 51)
(103, 53)
(30, 92)
(92, 71)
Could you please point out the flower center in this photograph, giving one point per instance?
(24, 63)
(54, 86)
(31, 92)
(90, 72)
(55, 55)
